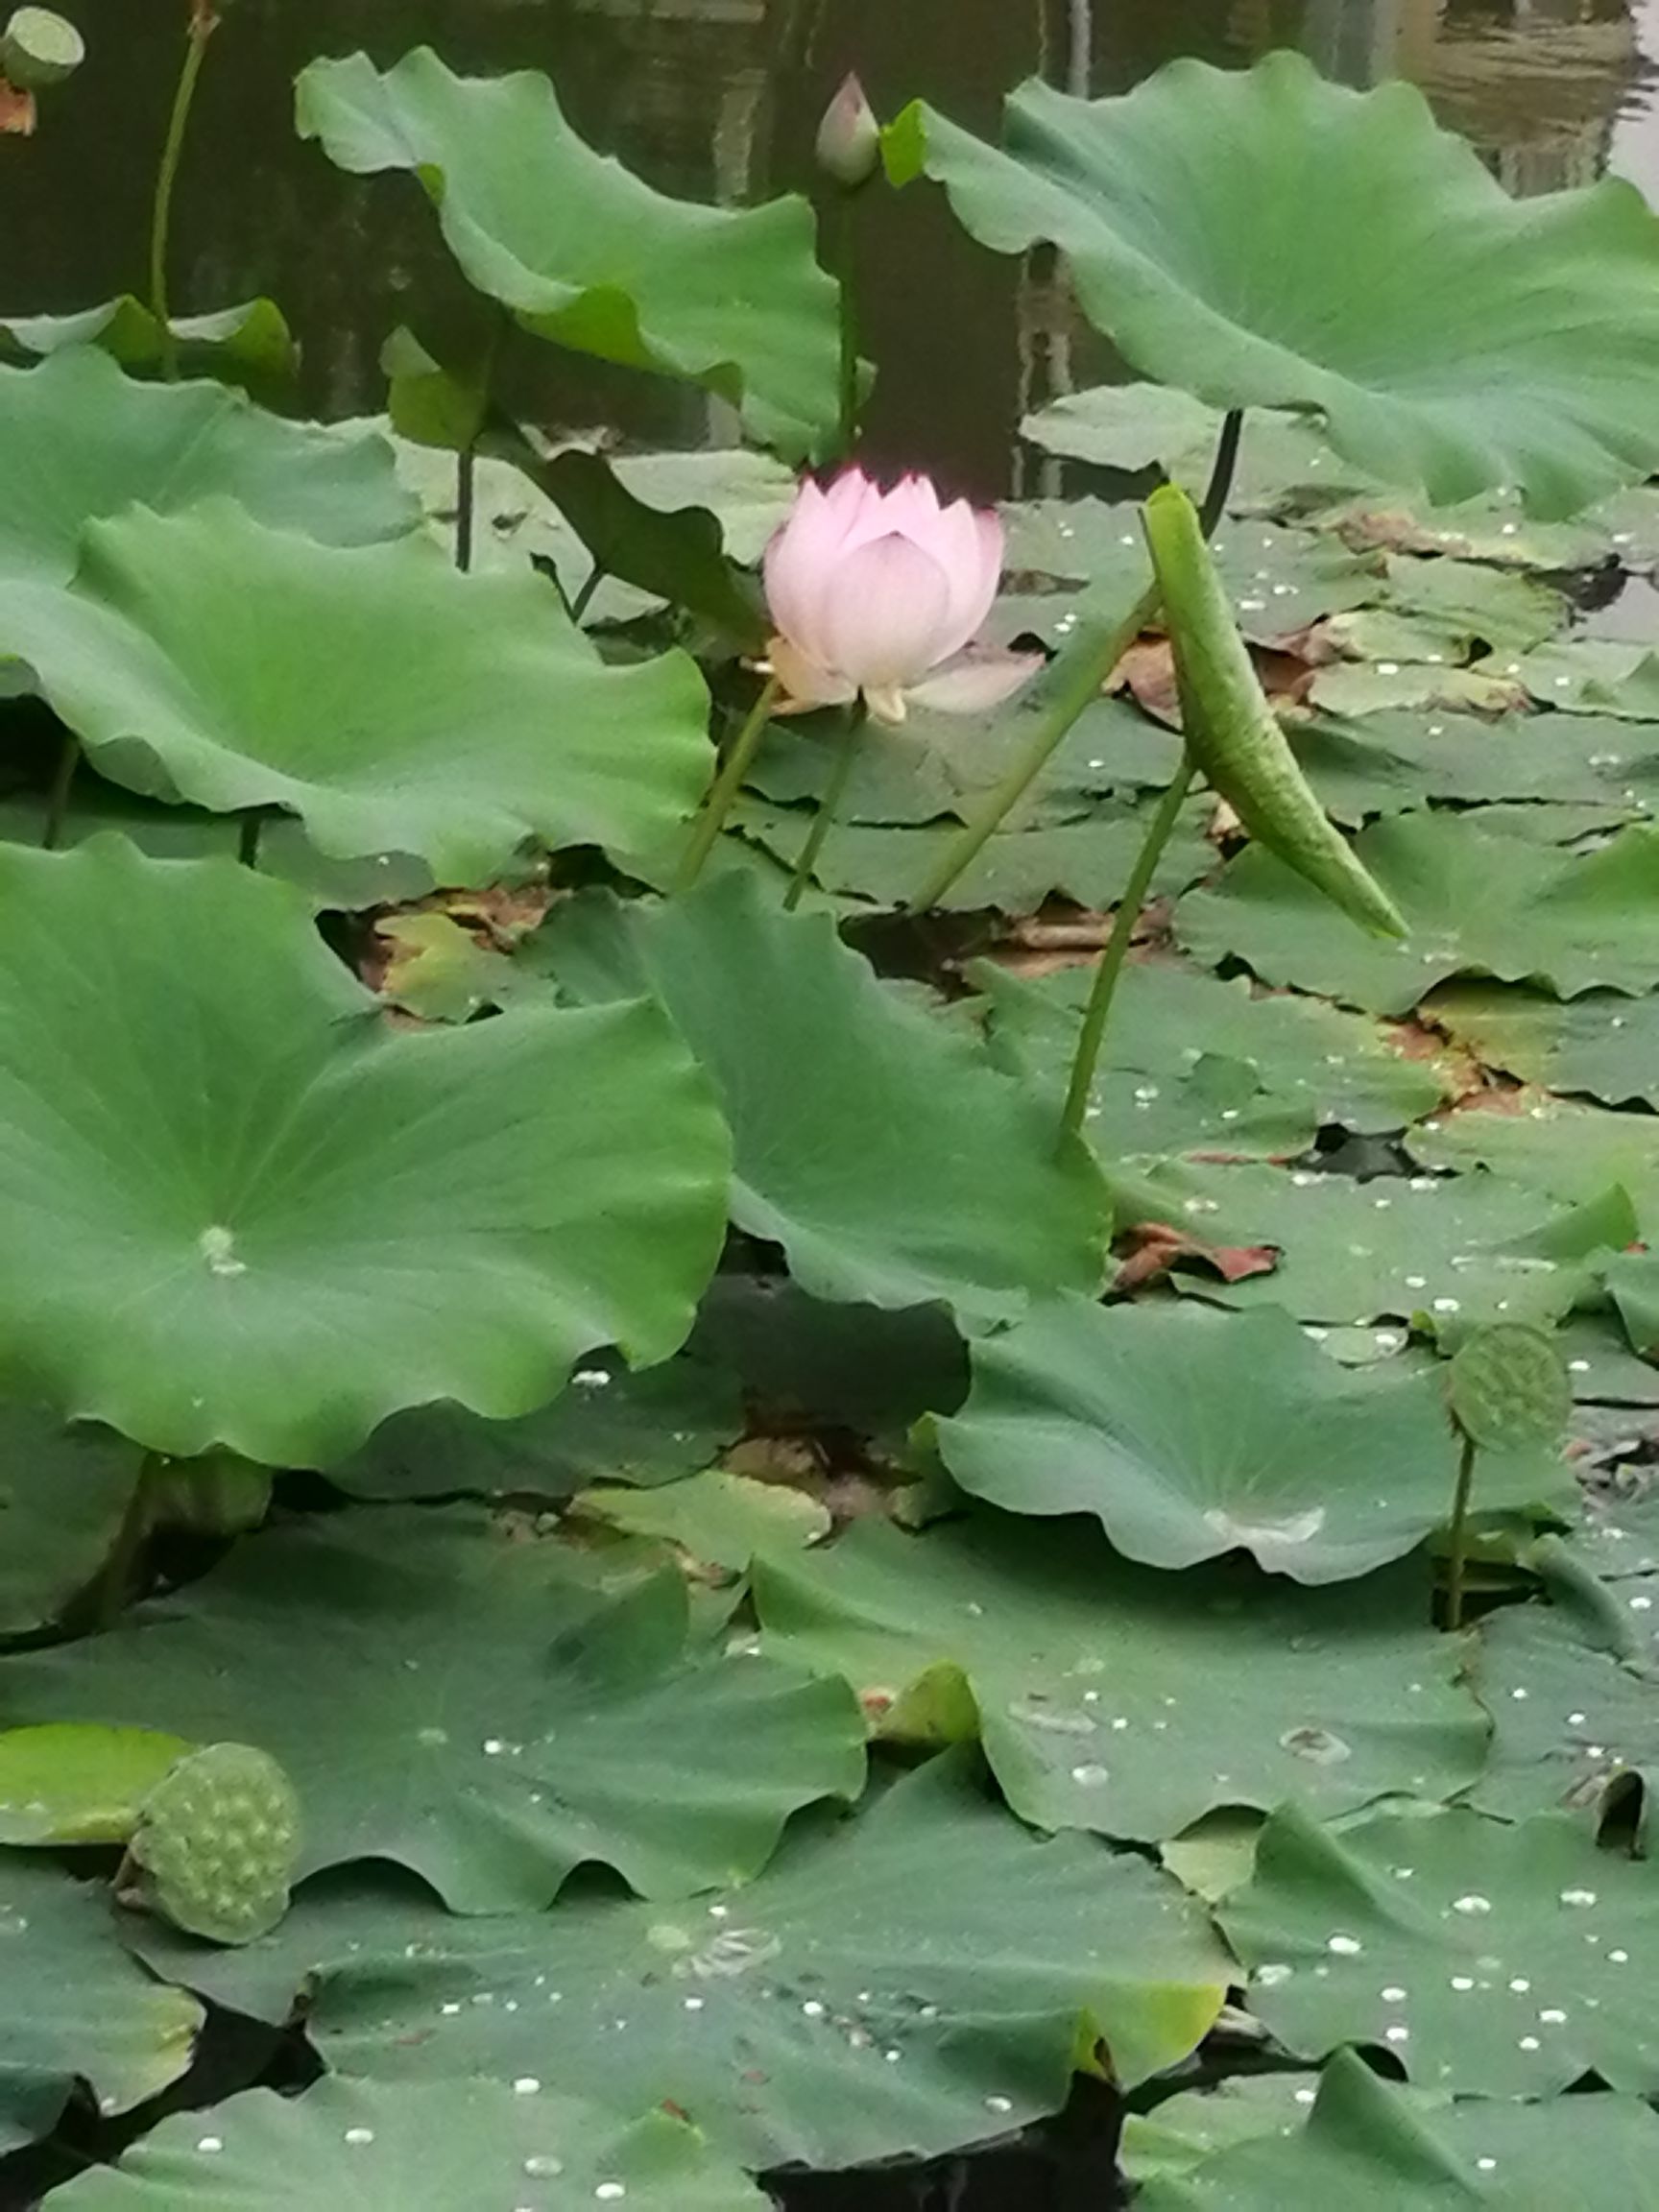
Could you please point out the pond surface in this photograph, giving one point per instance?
(720, 98)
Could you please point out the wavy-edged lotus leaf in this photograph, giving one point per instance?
(1632, 1278)
(1505, 1960)
(250, 1214)
(1603, 1042)
(76, 2006)
(586, 255)
(79, 1782)
(391, 704)
(1193, 1063)
(1452, 338)
(935, 1925)
(1570, 1720)
(386, 2146)
(1189, 1433)
(1475, 902)
(1561, 1147)
(611, 1426)
(1368, 2141)
(78, 439)
(249, 343)
(514, 1720)
(1115, 1698)
(832, 1081)
(1549, 763)
(717, 1517)
(63, 1492)
(1182, 2131)
(216, 1844)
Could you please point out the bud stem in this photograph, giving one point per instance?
(718, 803)
(828, 805)
(202, 22)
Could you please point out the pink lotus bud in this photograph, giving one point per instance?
(873, 593)
(850, 137)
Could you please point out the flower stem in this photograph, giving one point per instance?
(1457, 1553)
(1090, 667)
(846, 253)
(828, 805)
(202, 23)
(590, 584)
(57, 798)
(465, 504)
(718, 803)
(1104, 989)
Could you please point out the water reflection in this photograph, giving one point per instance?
(719, 99)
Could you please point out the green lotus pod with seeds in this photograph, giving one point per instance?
(216, 1843)
(1507, 1387)
(38, 49)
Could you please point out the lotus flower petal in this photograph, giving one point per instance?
(975, 683)
(883, 614)
(806, 684)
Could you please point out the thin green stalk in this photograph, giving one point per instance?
(465, 504)
(846, 250)
(1093, 1033)
(115, 1582)
(584, 598)
(57, 798)
(1089, 673)
(1457, 1553)
(202, 23)
(718, 803)
(828, 805)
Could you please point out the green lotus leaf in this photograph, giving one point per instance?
(586, 255)
(715, 1519)
(515, 1721)
(1474, 903)
(1504, 1960)
(1452, 338)
(63, 1492)
(1193, 1063)
(78, 440)
(247, 1213)
(934, 1925)
(1570, 1720)
(1190, 1434)
(1602, 1043)
(76, 2006)
(1556, 764)
(249, 344)
(831, 1082)
(79, 1783)
(1369, 2142)
(386, 2146)
(1178, 2135)
(1131, 1702)
(390, 703)
(1560, 1146)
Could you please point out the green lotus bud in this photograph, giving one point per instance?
(38, 50)
(216, 1844)
(850, 137)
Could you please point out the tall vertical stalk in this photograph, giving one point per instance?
(725, 788)
(846, 250)
(1089, 673)
(828, 804)
(203, 25)
(1458, 1554)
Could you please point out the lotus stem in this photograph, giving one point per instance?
(828, 805)
(1110, 966)
(584, 598)
(1458, 1554)
(718, 803)
(57, 798)
(466, 499)
(203, 24)
(1091, 671)
(846, 253)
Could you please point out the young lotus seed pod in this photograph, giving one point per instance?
(1508, 1388)
(850, 137)
(216, 1844)
(38, 50)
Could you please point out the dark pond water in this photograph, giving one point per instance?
(719, 99)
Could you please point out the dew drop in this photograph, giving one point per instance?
(359, 2135)
(1470, 1904)
(1090, 1777)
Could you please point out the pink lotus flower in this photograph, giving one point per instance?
(878, 594)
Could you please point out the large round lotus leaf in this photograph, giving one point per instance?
(1111, 1698)
(236, 1208)
(1473, 901)
(1367, 2141)
(1559, 1146)
(924, 1977)
(76, 2006)
(1452, 338)
(1569, 1719)
(79, 1783)
(832, 1083)
(1193, 1063)
(63, 1492)
(390, 703)
(587, 254)
(390, 2147)
(510, 1721)
(78, 439)
(1192, 1434)
(1603, 1042)
(1499, 1959)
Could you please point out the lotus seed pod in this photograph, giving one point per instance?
(1508, 1387)
(38, 50)
(216, 1843)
